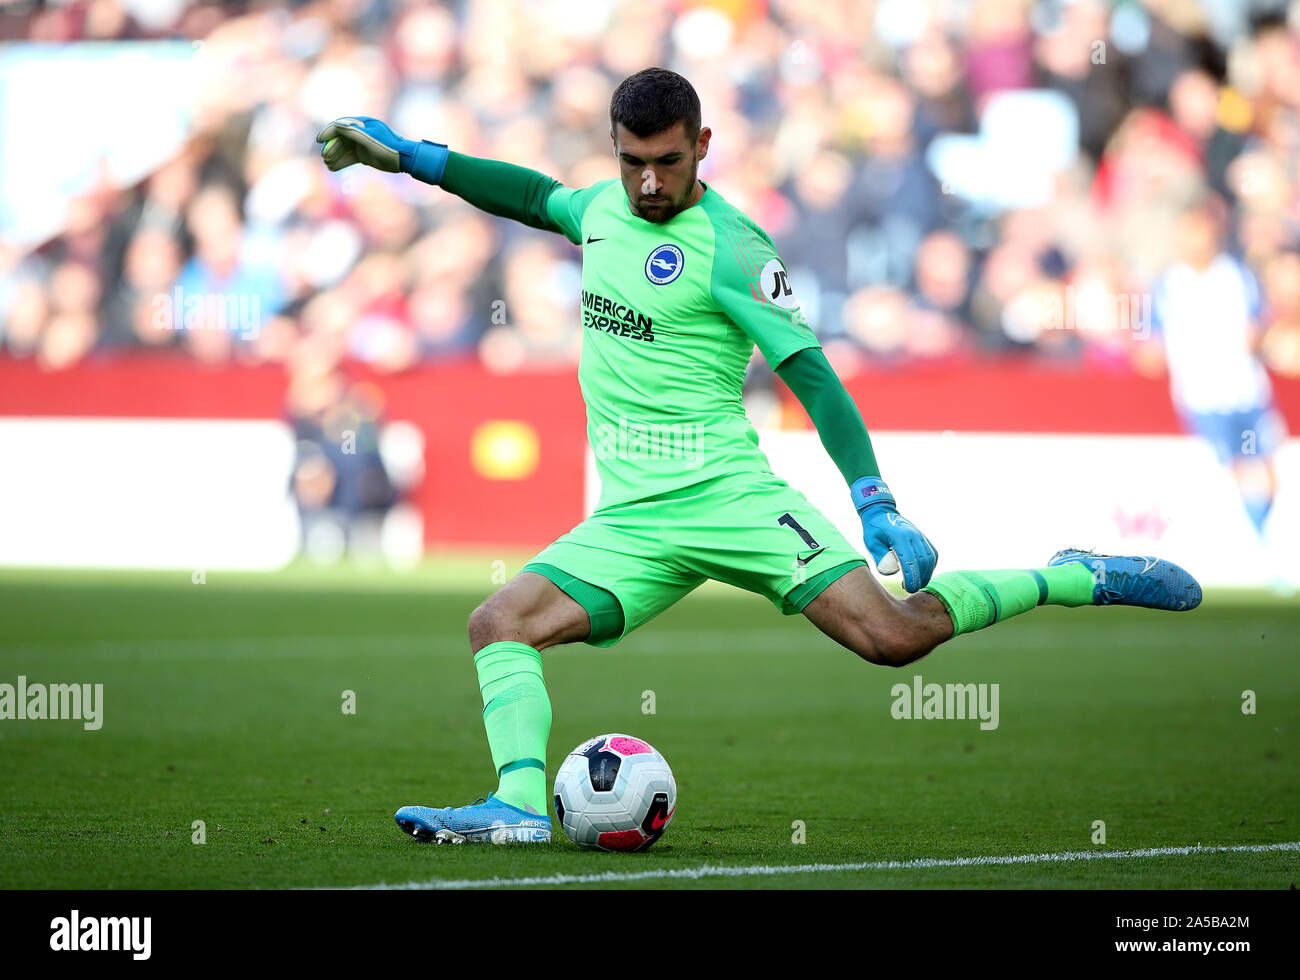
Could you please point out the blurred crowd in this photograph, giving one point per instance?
(824, 114)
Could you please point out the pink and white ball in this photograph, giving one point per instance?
(615, 793)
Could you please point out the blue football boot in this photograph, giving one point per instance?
(485, 821)
(1127, 580)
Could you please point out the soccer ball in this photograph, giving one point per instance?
(615, 793)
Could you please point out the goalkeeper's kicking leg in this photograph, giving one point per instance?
(858, 613)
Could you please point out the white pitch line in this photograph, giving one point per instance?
(739, 871)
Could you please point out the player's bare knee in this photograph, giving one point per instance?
(866, 645)
(479, 627)
(892, 645)
(875, 651)
(491, 622)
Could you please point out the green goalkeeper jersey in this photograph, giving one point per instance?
(671, 313)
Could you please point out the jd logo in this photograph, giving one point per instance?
(775, 282)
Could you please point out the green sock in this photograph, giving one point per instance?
(517, 716)
(978, 599)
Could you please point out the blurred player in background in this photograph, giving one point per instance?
(1207, 313)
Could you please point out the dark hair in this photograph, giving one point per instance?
(655, 99)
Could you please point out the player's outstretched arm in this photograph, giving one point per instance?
(762, 304)
(892, 540)
(498, 188)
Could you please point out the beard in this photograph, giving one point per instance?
(668, 208)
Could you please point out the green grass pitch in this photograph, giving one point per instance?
(223, 703)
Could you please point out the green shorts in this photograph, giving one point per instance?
(753, 531)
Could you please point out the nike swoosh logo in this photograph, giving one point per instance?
(804, 561)
(657, 822)
(590, 240)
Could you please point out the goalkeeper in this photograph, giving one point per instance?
(678, 286)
